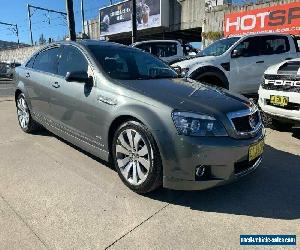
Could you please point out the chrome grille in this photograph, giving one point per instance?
(285, 88)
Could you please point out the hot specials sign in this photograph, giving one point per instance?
(281, 18)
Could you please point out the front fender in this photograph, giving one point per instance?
(158, 121)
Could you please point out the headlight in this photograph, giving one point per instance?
(194, 124)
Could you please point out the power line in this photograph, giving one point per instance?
(35, 8)
(14, 30)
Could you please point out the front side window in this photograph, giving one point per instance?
(249, 47)
(72, 60)
(46, 60)
(130, 64)
(30, 62)
(274, 45)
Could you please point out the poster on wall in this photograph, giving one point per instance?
(283, 18)
(117, 18)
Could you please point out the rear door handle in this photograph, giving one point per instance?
(289, 58)
(55, 85)
(27, 75)
(260, 61)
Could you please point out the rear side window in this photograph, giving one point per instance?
(164, 49)
(145, 47)
(274, 45)
(46, 61)
(72, 60)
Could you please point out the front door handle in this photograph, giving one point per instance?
(27, 75)
(55, 85)
(260, 61)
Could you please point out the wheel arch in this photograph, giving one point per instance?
(17, 93)
(210, 70)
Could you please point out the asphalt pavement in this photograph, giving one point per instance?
(6, 87)
(55, 196)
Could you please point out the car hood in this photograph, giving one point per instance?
(189, 95)
(191, 61)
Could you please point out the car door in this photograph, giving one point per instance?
(38, 76)
(72, 103)
(247, 66)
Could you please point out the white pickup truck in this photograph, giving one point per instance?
(279, 95)
(238, 63)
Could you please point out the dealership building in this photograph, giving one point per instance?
(194, 20)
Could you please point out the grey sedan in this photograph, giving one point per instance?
(126, 106)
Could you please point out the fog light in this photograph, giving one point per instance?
(200, 171)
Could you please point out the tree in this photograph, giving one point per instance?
(42, 39)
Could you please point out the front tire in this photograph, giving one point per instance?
(136, 157)
(281, 126)
(273, 123)
(27, 124)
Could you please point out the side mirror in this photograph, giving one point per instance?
(178, 70)
(79, 76)
(236, 53)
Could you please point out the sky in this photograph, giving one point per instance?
(15, 11)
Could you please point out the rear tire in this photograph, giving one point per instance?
(26, 122)
(136, 157)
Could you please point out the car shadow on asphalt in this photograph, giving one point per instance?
(45, 132)
(271, 192)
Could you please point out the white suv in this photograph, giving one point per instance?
(279, 94)
(238, 63)
(166, 50)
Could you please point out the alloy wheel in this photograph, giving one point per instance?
(23, 112)
(133, 156)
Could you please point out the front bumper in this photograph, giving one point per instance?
(293, 115)
(225, 159)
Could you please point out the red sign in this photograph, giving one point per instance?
(281, 18)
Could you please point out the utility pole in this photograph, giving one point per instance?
(71, 22)
(82, 16)
(16, 30)
(43, 9)
(133, 19)
(30, 25)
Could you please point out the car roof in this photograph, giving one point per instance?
(156, 41)
(88, 42)
(260, 34)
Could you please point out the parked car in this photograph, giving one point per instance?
(279, 94)
(121, 103)
(238, 63)
(7, 69)
(166, 50)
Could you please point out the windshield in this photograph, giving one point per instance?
(130, 64)
(219, 47)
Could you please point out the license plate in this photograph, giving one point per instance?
(279, 100)
(256, 150)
